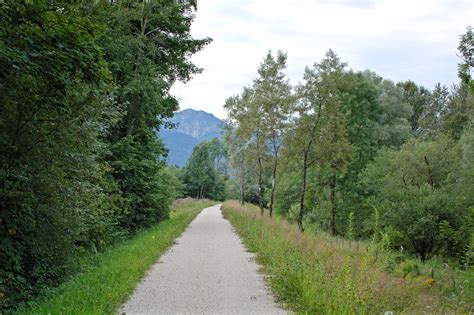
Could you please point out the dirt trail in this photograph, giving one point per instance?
(208, 270)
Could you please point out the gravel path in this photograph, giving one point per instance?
(207, 271)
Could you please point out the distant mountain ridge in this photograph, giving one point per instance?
(192, 128)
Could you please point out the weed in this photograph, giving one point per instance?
(315, 274)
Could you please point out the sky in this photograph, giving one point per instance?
(398, 39)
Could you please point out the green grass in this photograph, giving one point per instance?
(311, 274)
(111, 277)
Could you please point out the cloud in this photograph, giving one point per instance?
(398, 39)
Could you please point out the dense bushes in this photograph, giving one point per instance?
(80, 163)
(423, 196)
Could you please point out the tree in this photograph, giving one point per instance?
(235, 146)
(416, 188)
(418, 97)
(466, 51)
(459, 112)
(218, 152)
(318, 95)
(302, 137)
(148, 45)
(247, 115)
(83, 87)
(273, 96)
(56, 195)
(393, 126)
(432, 118)
(200, 175)
(335, 153)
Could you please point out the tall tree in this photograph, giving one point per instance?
(273, 96)
(54, 116)
(393, 126)
(83, 87)
(335, 153)
(418, 98)
(432, 118)
(466, 53)
(246, 113)
(236, 147)
(218, 152)
(148, 45)
(317, 95)
(460, 108)
(459, 112)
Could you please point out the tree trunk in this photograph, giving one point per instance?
(272, 195)
(201, 192)
(430, 174)
(260, 184)
(303, 192)
(332, 205)
(242, 183)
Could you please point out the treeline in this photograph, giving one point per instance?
(83, 88)
(358, 155)
(205, 175)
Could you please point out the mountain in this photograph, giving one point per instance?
(192, 128)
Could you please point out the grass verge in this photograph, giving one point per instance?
(311, 275)
(105, 284)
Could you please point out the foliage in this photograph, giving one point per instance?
(466, 50)
(54, 112)
(354, 142)
(418, 98)
(314, 274)
(261, 114)
(83, 87)
(200, 175)
(368, 158)
(154, 37)
(415, 189)
(273, 95)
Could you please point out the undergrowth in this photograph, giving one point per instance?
(316, 274)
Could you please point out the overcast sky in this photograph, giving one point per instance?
(398, 39)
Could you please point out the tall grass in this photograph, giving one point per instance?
(311, 273)
(109, 279)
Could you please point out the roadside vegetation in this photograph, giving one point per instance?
(84, 87)
(107, 279)
(316, 273)
(360, 157)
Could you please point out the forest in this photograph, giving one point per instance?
(84, 87)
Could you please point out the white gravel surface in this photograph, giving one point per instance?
(207, 271)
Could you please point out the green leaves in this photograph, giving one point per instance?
(353, 141)
(415, 188)
(83, 88)
(201, 175)
(54, 80)
(466, 50)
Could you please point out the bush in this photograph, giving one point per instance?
(417, 190)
